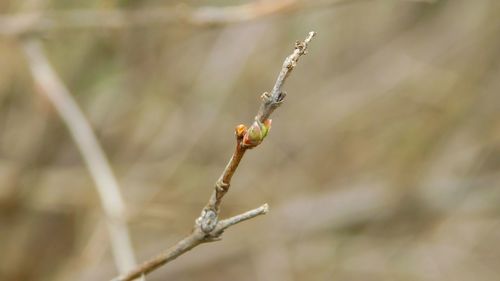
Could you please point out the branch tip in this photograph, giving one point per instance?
(265, 208)
(311, 35)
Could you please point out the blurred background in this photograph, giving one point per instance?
(382, 164)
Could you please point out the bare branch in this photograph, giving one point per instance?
(51, 86)
(272, 101)
(194, 239)
(186, 244)
(207, 226)
(223, 224)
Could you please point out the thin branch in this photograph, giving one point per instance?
(356, 203)
(207, 226)
(223, 224)
(194, 239)
(49, 83)
(272, 101)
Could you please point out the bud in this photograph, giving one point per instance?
(256, 133)
(240, 130)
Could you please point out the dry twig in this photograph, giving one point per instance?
(49, 83)
(208, 227)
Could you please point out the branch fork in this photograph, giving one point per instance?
(208, 227)
(214, 232)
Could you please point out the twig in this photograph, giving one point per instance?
(223, 224)
(356, 203)
(197, 236)
(207, 227)
(107, 187)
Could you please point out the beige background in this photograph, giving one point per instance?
(383, 163)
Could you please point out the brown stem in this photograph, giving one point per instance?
(223, 183)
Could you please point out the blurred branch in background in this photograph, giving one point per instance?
(36, 22)
(51, 86)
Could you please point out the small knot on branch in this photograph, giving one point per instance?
(301, 46)
(221, 189)
(279, 99)
(273, 101)
(221, 186)
(208, 220)
(269, 103)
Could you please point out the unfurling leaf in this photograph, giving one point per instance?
(256, 133)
